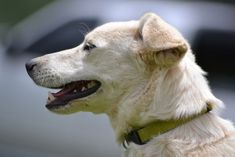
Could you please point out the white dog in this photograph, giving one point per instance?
(143, 75)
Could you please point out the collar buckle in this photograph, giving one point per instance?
(134, 137)
(125, 144)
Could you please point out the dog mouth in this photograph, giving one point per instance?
(72, 91)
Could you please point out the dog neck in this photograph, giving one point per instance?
(174, 93)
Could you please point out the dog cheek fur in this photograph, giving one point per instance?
(182, 91)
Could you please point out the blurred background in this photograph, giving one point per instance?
(30, 28)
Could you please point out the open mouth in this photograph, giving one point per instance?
(71, 91)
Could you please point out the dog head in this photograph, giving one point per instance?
(114, 60)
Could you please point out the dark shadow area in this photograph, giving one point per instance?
(66, 36)
(215, 52)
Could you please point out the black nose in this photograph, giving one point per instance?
(30, 66)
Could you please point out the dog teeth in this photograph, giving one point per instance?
(83, 88)
(91, 84)
(50, 98)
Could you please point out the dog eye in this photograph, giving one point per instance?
(88, 47)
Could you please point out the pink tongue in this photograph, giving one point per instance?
(64, 91)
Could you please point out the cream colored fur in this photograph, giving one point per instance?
(148, 72)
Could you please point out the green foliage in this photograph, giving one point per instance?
(13, 11)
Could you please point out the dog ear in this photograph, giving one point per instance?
(162, 44)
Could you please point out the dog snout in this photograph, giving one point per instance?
(30, 66)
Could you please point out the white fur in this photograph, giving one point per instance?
(148, 72)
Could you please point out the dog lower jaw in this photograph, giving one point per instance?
(69, 108)
(70, 92)
(81, 105)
